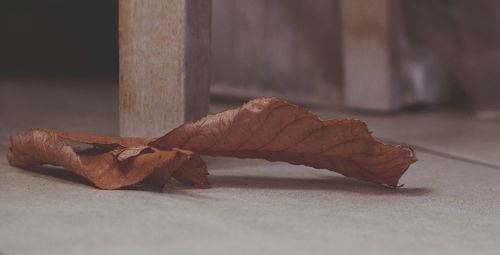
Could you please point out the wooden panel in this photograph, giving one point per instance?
(164, 64)
(287, 48)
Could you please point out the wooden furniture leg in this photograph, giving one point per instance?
(370, 76)
(164, 64)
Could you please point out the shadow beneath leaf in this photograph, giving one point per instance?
(329, 183)
(47, 172)
(62, 175)
(333, 183)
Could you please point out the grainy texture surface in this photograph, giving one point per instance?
(164, 64)
(255, 207)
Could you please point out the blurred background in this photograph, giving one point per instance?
(379, 55)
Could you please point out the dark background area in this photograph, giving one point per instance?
(54, 38)
(263, 47)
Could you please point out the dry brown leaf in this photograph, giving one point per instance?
(267, 128)
(99, 140)
(110, 165)
(273, 129)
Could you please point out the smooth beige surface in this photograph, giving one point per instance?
(254, 207)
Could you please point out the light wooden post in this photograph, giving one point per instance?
(164, 64)
(369, 53)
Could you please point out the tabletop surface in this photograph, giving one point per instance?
(450, 203)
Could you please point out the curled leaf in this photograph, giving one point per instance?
(110, 165)
(273, 129)
(267, 128)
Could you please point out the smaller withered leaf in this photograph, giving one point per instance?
(273, 129)
(107, 164)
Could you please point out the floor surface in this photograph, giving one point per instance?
(450, 203)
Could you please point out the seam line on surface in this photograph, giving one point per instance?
(445, 154)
